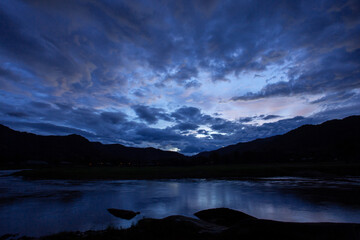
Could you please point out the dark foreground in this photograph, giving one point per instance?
(306, 169)
(216, 224)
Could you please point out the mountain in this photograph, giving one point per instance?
(20, 148)
(335, 140)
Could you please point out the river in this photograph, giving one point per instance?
(42, 207)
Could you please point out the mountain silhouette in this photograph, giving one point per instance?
(334, 140)
(27, 148)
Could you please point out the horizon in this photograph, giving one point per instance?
(187, 76)
(190, 155)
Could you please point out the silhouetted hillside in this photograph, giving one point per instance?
(27, 148)
(335, 140)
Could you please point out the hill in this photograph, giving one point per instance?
(331, 141)
(335, 140)
(20, 148)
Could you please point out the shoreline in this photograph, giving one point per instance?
(220, 223)
(239, 171)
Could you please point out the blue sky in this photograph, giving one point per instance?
(186, 76)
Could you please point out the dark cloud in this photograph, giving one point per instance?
(260, 117)
(334, 110)
(257, 75)
(195, 116)
(17, 114)
(186, 126)
(64, 106)
(257, 35)
(268, 117)
(40, 105)
(113, 117)
(192, 84)
(186, 113)
(185, 73)
(226, 127)
(150, 115)
(236, 48)
(82, 66)
(336, 71)
(336, 97)
(146, 114)
(14, 41)
(247, 119)
(219, 137)
(157, 135)
(6, 74)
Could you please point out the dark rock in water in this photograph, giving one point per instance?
(124, 214)
(223, 216)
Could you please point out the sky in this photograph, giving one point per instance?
(186, 76)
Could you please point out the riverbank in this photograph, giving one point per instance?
(332, 169)
(216, 224)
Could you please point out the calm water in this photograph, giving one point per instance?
(41, 207)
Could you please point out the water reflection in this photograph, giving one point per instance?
(43, 207)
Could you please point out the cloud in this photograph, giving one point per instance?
(335, 71)
(260, 117)
(193, 84)
(113, 117)
(157, 135)
(186, 113)
(336, 97)
(62, 119)
(268, 117)
(6, 74)
(226, 127)
(150, 115)
(186, 126)
(183, 74)
(40, 105)
(152, 74)
(247, 119)
(17, 114)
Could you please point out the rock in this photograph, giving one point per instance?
(199, 225)
(244, 227)
(178, 227)
(181, 227)
(124, 214)
(268, 229)
(223, 216)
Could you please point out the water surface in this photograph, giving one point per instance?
(41, 207)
